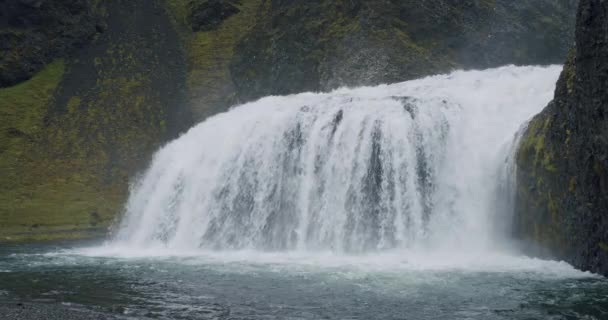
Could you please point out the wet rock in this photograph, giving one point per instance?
(209, 15)
(320, 45)
(35, 32)
(562, 161)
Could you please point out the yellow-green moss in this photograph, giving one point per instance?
(179, 10)
(48, 234)
(552, 207)
(570, 71)
(68, 147)
(572, 185)
(544, 218)
(533, 148)
(32, 200)
(22, 109)
(209, 53)
(73, 104)
(23, 106)
(58, 178)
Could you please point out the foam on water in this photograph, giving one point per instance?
(437, 264)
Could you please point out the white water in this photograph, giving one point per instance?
(411, 166)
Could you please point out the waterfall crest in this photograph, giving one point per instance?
(412, 164)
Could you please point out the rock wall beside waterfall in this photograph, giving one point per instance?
(73, 135)
(319, 45)
(91, 87)
(562, 162)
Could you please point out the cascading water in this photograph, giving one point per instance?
(408, 165)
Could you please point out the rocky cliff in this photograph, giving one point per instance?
(320, 45)
(33, 33)
(90, 88)
(106, 90)
(562, 162)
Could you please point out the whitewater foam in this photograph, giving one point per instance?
(387, 262)
(416, 165)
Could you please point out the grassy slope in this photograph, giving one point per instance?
(38, 195)
(73, 135)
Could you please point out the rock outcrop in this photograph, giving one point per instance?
(35, 32)
(562, 162)
(209, 15)
(320, 45)
(73, 135)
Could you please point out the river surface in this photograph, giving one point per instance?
(249, 285)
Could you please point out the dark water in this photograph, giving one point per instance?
(284, 286)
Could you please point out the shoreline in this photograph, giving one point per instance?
(15, 310)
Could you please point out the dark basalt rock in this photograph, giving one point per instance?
(209, 15)
(562, 162)
(35, 32)
(319, 45)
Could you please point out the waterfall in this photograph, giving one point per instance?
(408, 165)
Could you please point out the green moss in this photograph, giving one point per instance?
(28, 193)
(209, 53)
(572, 185)
(51, 235)
(73, 104)
(22, 110)
(69, 147)
(39, 211)
(64, 174)
(603, 246)
(570, 71)
(533, 148)
(179, 10)
(552, 207)
(542, 214)
(23, 106)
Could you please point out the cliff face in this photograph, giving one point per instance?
(34, 32)
(73, 135)
(562, 162)
(90, 88)
(319, 45)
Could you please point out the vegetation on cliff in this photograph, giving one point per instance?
(562, 177)
(78, 131)
(210, 51)
(34, 33)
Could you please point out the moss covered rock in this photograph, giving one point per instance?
(34, 33)
(562, 162)
(74, 135)
(209, 52)
(208, 15)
